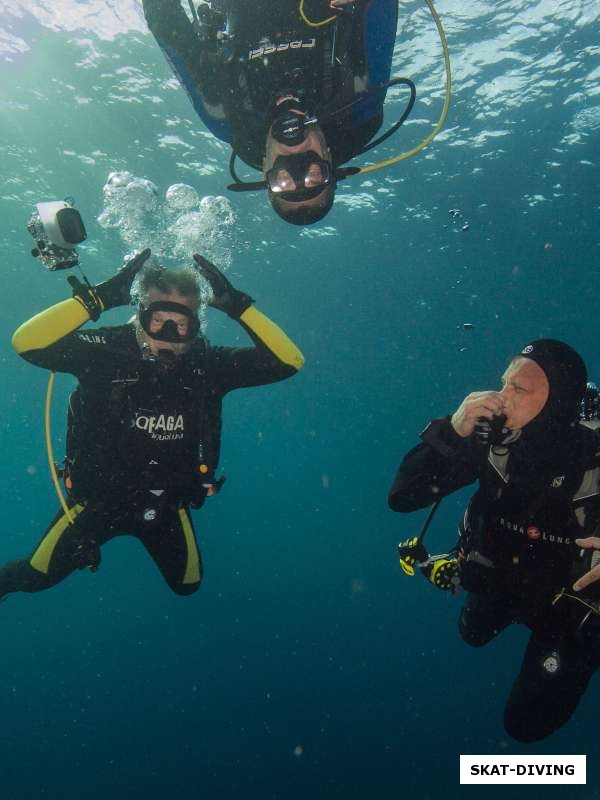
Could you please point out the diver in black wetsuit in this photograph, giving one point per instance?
(257, 74)
(145, 419)
(538, 469)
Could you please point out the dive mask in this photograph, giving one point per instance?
(299, 176)
(170, 331)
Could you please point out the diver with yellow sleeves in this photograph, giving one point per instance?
(144, 421)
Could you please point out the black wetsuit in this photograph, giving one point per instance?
(143, 440)
(516, 552)
(272, 53)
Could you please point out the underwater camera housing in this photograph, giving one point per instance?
(56, 227)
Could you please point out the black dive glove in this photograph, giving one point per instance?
(412, 554)
(225, 297)
(111, 293)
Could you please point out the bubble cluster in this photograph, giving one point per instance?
(130, 205)
(175, 227)
(181, 197)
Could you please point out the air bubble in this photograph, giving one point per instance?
(175, 227)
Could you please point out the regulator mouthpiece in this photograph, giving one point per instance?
(491, 431)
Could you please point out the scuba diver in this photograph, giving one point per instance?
(144, 422)
(537, 459)
(295, 87)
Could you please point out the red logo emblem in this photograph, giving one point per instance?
(533, 533)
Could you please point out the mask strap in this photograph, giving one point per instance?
(240, 185)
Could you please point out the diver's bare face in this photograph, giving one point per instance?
(160, 317)
(525, 391)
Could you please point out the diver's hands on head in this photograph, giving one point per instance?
(473, 407)
(116, 291)
(224, 296)
(594, 574)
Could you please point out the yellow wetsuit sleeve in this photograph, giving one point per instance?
(273, 337)
(50, 325)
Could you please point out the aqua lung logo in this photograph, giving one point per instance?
(533, 533)
(282, 47)
(557, 482)
(161, 426)
(528, 349)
